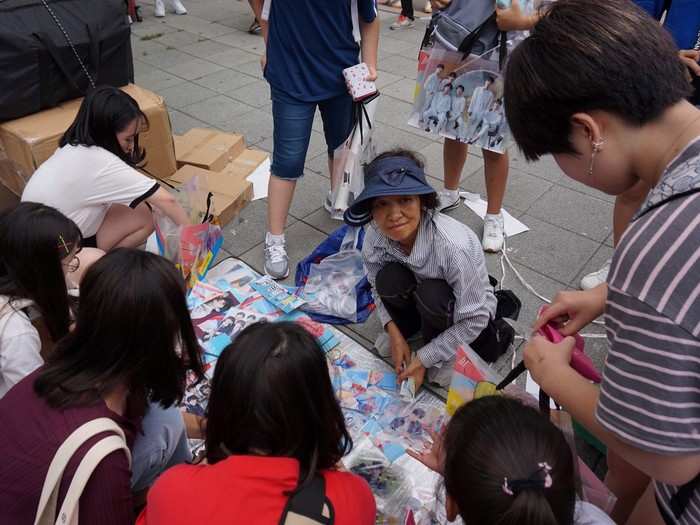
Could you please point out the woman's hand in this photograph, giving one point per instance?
(690, 58)
(513, 19)
(432, 458)
(416, 370)
(439, 4)
(372, 76)
(571, 311)
(546, 361)
(400, 351)
(263, 62)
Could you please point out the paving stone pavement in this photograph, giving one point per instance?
(206, 66)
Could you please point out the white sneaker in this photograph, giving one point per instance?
(328, 202)
(402, 22)
(428, 8)
(492, 241)
(159, 9)
(179, 8)
(448, 200)
(594, 279)
(393, 3)
(276, 259)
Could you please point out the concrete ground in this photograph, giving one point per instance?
(206, 66)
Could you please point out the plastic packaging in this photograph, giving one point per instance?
(331, 287)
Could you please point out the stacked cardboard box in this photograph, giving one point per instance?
(220, 159)
(222, 163)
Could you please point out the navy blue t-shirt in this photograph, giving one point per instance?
(309, 44)
(682, 21)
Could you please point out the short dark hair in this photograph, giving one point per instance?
(428, 201)
(104, 112)
(33, 242)
(132, 318)
(272, 394)
(440, 65)
(496, 437)
(586, 55)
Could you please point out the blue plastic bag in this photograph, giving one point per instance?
(363, 290)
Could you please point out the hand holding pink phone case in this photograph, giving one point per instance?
(579, 360)
(355, 79)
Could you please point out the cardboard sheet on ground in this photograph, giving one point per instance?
(511, 225)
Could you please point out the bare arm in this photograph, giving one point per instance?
(549, 365)
(370, 43)
(165, 202)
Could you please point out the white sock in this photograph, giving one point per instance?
(496, 216)
(274, 239)
(452, 194)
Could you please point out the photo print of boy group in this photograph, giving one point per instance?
(461, 99)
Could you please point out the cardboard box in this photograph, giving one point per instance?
(208, 149)
(232, 192)
(30, 140)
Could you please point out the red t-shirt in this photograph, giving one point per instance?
(30, 434)
(245, 490)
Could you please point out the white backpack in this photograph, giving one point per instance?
(68, 514)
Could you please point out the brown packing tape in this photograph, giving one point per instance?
(31, 140)
(207, 148)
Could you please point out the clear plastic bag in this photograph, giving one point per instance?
(331, 288)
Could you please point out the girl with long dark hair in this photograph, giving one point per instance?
(92, 177)
(125, 360)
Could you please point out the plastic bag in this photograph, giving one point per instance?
(330, 287)
(350, 158)
(333, 280)
(192, 247)
(469, 370)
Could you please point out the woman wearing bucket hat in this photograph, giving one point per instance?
(427, 270)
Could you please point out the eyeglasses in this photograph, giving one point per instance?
(74, 263)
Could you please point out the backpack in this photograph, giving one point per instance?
(468, 26)
(309, 506)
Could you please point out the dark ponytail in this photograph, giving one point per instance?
(496, 438)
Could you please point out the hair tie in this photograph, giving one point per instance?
(535, 481)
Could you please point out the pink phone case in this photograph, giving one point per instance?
(579, 360)
(358, 87)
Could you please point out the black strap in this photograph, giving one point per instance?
(309, 502)
(680, 499)
(469, 41)
(502, 50)
(513, 375)
(53, 53)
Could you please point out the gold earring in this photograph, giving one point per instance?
(597, 146)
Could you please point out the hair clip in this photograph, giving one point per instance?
(535, 481)
(63, 244)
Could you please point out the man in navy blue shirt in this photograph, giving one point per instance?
(309, 43)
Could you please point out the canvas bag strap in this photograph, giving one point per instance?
(46, 510)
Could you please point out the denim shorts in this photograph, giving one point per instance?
(293, 119)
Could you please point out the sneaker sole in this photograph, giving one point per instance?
(277, 278)
(451, 206)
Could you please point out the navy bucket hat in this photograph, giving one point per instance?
(387, 177)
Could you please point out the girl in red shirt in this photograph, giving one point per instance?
(273, 425)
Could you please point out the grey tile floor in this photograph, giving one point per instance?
(207, 68)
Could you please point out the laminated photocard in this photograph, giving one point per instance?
(206, 317)
(384, 380)
(345, 362)
(354, 422)
(201, 293)
(276, 294)
(325, 337)
(196, 395)
(227, 328)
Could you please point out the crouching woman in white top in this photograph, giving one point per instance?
(426, 269)
(40, 258)
(92, 178)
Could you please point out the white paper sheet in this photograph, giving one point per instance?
(260, 177)
(475, 203)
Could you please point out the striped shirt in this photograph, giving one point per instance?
(444, 249)
(650, 395)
